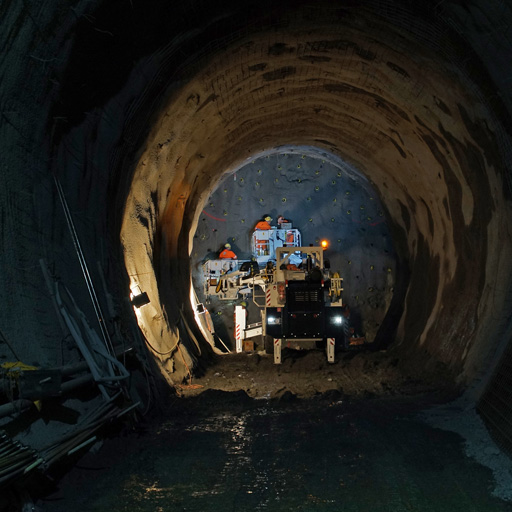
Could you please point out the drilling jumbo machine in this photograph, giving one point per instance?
(301, 305)
(300, 302)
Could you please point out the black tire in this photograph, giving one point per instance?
(345, 341)
(269, 344)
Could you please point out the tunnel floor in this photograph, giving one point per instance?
(225, 451)
(306, 373)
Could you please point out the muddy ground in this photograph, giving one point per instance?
(307, 373)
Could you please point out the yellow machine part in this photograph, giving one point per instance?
(15, 368)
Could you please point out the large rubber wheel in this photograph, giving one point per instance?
(345, 340)
(269, 344)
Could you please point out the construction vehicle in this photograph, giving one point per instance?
(227, 279)
(301, 305)
(265, 242)
(300, 302)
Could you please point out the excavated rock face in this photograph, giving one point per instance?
(323, 199)
(150, 107)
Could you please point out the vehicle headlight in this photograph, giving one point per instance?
(337, 320)
(271, 320)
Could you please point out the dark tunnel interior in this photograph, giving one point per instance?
(140, 137)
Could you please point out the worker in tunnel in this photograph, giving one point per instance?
(289, 237)
(262, 242)
(264, 224)
(280, 221)
(227, 253)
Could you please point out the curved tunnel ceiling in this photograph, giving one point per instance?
(147, 108)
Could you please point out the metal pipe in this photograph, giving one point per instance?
(81, 445)
(10, 448)
(22, 405)
(76, 383)
(18, 465)
(15, 406)
(71, 369)
(33, 465)
(67, 370)
(25, 454)
(11, 476)
(128, 409)
(85, 269)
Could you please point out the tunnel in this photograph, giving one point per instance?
(120, 120)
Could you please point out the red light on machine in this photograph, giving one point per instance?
(281, 292)
(324, 244)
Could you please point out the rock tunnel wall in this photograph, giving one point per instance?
(141, 111)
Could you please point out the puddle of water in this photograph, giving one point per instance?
(297, 456)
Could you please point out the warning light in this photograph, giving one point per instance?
(324, 244)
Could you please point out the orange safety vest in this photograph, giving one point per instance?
(227, 254)
(263, 224)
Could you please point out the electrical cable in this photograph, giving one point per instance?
(163, 353)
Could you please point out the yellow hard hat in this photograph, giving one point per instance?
(228, 246)
(268, 218)
(243, 303)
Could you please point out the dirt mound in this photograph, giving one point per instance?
(307, 373)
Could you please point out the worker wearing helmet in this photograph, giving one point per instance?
(227, 253)
(264, 224)
(290, 234)
(262, 247)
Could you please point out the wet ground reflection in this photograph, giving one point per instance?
(224, 452)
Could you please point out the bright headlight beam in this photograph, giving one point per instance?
(338, 320)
